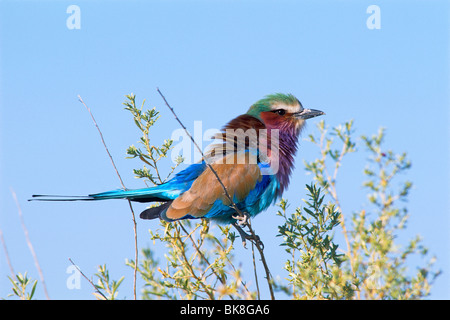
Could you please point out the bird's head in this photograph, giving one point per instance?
(282, 111)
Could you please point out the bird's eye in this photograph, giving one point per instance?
(281, 112)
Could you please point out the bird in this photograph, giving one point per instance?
(252, 159)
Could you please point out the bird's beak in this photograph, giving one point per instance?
(308, 114)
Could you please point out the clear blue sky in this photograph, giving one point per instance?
(212, 59)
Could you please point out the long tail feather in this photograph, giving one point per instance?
(47, 197)
(137, 195)
(158, 193)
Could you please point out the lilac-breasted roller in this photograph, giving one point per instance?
(254, 159)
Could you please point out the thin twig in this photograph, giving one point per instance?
(30, 245)
(103, 140)
(89, 280)
(253, 237)
(185, 262)
(8, 260)
(136, 256)
(201, 253)
(331, 187)
(260, 248)
(256, 273)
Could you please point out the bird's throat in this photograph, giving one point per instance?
(287, 150)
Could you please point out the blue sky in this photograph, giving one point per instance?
(212, 60)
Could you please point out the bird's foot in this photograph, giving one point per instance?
(242, 220)
(245, 236)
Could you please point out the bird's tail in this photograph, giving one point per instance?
(48, 197)
(158, 193)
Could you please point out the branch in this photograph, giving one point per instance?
(30, 245)
(8, 260)
(95, 287)
(252, 237)
(129, 202)
(256, 273)
(202, 256)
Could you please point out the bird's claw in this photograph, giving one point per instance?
(245, 236)
(242, 220)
